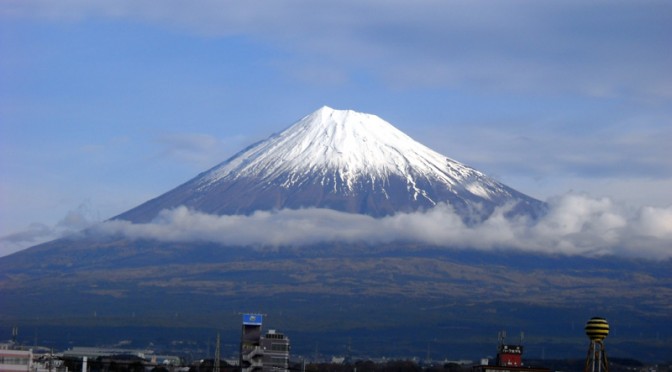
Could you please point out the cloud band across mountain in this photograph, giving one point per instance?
(574, 225)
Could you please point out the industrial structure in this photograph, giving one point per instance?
(597, 329)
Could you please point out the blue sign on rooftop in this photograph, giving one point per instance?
(252, 319)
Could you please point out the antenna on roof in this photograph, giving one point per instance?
(501, 335)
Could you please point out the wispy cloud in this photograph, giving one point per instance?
(556, 47)
(640, 152)
(73, 222)
(575, 225)
(198, 150)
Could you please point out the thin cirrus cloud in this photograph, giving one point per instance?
(546, 47)
(574, 225)
(198, 150)
(626, 155)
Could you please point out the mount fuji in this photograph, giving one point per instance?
(342, 160)
(117, 284)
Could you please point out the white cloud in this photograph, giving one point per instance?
(655, 222)
(575, 225)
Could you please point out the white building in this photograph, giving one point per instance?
(13, 358)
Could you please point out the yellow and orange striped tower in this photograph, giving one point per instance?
(597, 329)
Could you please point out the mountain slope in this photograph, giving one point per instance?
(340, 293)
(342, 160)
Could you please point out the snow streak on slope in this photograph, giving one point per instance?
(343, 147)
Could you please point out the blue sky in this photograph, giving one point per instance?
(104, 105)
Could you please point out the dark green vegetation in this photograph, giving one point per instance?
(616, 365)
(396, 300)
(130, 363)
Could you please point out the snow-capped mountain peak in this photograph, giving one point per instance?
(338, 159)
(342, 146)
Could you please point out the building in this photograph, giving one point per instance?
(13, 358)
(275, 347)
(510, 355)
(269, 352)
(251, 354)
(509, 359)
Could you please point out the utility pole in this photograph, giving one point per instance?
(217, 355)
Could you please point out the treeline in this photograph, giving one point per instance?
(390, 366)
(359, 366)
